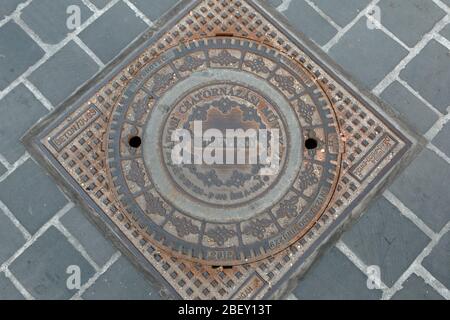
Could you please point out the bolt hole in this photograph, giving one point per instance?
(310, 143)
(135, 142)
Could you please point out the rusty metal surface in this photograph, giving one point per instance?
(223, 216)
(227, 234)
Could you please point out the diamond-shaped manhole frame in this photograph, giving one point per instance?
(72, 144)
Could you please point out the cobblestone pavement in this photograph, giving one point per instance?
(404, 234)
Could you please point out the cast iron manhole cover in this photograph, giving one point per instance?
(221, 152)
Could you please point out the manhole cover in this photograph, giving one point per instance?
(221, 151)
(223, 212)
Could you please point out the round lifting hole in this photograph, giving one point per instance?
(310, 143)
(135, 142)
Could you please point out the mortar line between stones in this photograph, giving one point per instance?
(394, 74)
(55, 48)
(284, 5)
(37, 235)
(438, 152)
(18, 9)
(5, 266)
(437, 127)
(442, 5)
(429, 279)
(138, 13)
(16, 283)
(333, 41)
(398, 285)
(23, 78)
(55, 222)
(379, 25)
(88, 51)
(5, 163)
(407, 213)
(11, 168)
(353, 257)
(323, 15)
(91, 7)
(417, 95)
(442, 40)
(76, 244)
(38, 95)
(434, 35)
(15, 221)
(98, 274)
(30, 32)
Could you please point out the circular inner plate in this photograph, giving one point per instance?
(224, 150)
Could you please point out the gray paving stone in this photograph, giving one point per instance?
(334, 276)
(442, 140)
(100, 4)
(154, 9)
(385, 238)
(8, 7)
(7, 289)
(121, 282)
(42, 268)
(63, 73)
(409, 108)
(306, 20)
(429, 74)
(274, 3)
(446, 31)
(10, 238)
(416, 289)
(446, 2)
(48, 18)
(438, 261)
(18, 52)
(343, 11)
(98, 248)
(19, 111)
(31, 196)
(113, 31)
(409, 20)
(368, 55)
(423, 188)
